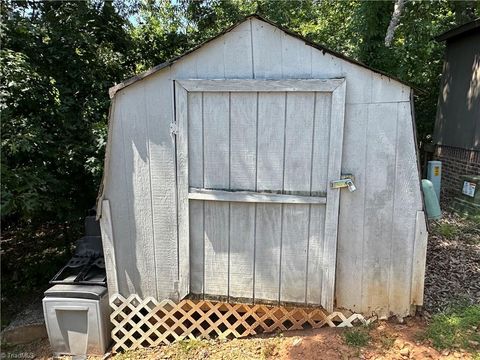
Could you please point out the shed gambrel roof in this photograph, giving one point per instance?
(114, 89)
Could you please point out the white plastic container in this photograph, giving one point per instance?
(77, 319)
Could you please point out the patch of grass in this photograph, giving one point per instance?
(190, 346)
(357, 336)
(138, 354)
(461, 227)
(456, 328)
(447, 230)
(387, 341)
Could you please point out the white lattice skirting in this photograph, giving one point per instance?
(146, 322)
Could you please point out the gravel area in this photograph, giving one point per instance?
(453, 263)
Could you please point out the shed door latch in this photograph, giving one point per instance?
(345, 181)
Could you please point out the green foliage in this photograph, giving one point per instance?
(387, 341)
(371, 23)
(465, 229)
(30, 258)
(447, 230)
(357, 336)
(457, 328)
(58, 60)
(191, 346)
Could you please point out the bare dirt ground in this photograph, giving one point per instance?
(385, 340)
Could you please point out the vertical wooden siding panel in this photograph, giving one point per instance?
(187, 69)
(108, 244)
(323, 104)
(238, 52)
(271, 118)
(216, 171)
(196, 246)
(315, 254)
(385, 89)
(359, 80)
(320, 149)
(210, 62)
(239, 64)
(406, 199)
(195, 154)
(216, 248)
(350, 236)
(270, 150)
(244, 141)
(379, 198)
(242, 232)
(333, 203)
(293, 270)
(325, 65)
(138, 188)
(120, 211)
(297, 175)
(296, 58)
(267, 50)
(158, 91)
(195, 139)
(298, 142)
(216, 140)
(243, 122)
(418, 259)
(183, 215)
(267, 251)
(158, 102)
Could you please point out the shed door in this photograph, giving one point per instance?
(257, 218)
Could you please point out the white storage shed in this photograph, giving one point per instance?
(224, 172)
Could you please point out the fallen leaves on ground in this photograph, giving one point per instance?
(453, 263)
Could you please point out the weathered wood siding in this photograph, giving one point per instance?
(261, 141)
(377, 222)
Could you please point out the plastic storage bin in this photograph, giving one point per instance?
(77, 319)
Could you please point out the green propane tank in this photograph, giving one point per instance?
(431, 202)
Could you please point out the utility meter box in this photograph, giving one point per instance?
(434, 174)
(77, 319)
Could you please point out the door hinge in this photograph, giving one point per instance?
(173, 128)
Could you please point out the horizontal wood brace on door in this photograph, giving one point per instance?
(252, 197)
(322, 85)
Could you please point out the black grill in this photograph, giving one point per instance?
(87, 266)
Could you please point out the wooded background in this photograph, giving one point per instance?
(60, 58)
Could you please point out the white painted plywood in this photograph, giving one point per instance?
(352, 210)
(216, 137)
(243, 159)
(379, 198)
(362, 88)
(138, 190)
(158, 112)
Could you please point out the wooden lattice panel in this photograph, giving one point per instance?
(146, 322)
